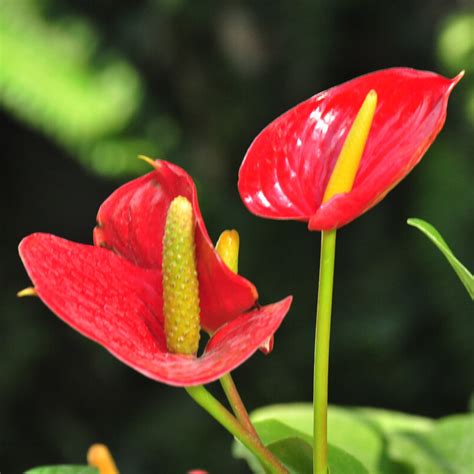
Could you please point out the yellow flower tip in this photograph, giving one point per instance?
(228, 249)
(148, 160)
(30, 291)
(347, 164)
(99, 456)
(180, 280)
(456, 79)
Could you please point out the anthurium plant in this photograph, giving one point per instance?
(153, 285)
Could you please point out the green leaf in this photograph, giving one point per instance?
(298, 416)
(273, 430)
(389, 422)
(295, 451)
(361, 432)
(340, 462)
(295, 454)
(272, 433)
(446, 449)
(384, 442)
(466, 277)
(44, 57)
(63, 470)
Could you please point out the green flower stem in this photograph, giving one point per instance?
(236, 403)
(207, 401)
(321, 351)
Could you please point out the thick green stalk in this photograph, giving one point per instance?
(207, 401)
(321, 352)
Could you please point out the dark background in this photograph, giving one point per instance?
(195, 82)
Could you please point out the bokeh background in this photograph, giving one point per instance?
(85, 86)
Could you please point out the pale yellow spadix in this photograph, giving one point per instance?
(30, 291)
(347, 164)
(228, 249)
(180, 279)
(99, 456)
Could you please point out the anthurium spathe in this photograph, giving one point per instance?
(112, 292)
(287, 168)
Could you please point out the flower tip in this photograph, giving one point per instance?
(30, 291)
(457, 78)
(372, 95)
(454, 81)
(267, 346)
(182, 207)
(148, 160)
(99, 456)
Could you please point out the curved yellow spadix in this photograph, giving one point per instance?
(180, 280)
(347, 164)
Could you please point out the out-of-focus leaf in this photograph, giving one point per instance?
(341, 462)
(361, 432)
(447, 449)
(63, 470)
(297, 416)
(271, 432)
(466, 277)
(294, 449)
(364, 432)
(56, 77)
(49, 78)
(456, 42)
(295, 454)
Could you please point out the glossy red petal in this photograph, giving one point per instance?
(118, 305)
(230, 346)
(131, 223)
(101, 295)
(286, 169)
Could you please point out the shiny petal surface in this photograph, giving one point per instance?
(117, 304)
(286, 169)
(131, 223)
(98, 293)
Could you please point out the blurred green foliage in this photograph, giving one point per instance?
(385, 442)
(456, 51)
(58, 77)
(194, 82)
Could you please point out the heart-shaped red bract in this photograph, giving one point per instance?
(112, 292)
(287, 168)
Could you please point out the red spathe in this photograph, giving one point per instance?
(112, 292)
(287, 168)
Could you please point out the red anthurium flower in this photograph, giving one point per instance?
(112, 292)
(288, 166)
